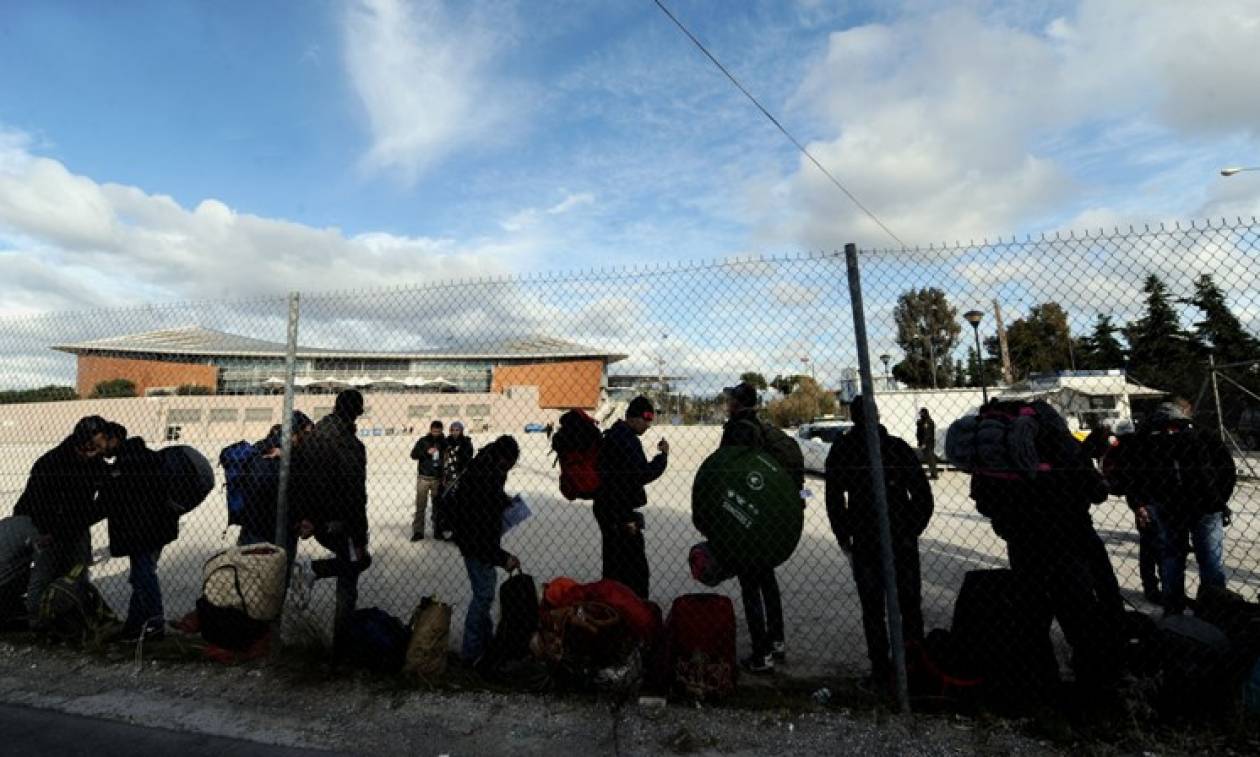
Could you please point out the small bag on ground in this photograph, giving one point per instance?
(430, 637)
(72, 610)
(249, 578)
(705, 566)
(518, 619)
(377, 641)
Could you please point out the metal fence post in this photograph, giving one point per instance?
(286, 424)
(876, 461)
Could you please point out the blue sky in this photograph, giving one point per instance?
(165, 150)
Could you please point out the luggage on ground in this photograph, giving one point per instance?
(931, 671)
(700, 646)
(430, 637)
(748, 507)
(189, 477)
(250, 578)
(1001, 633)
(17, 534)
(376, 640)
(576, 445)
(72, 610)
(518, 620)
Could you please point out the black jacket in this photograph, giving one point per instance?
(60, 495)
(480, 500)
(135, 499)
(456, 458)
(925, 432)
(624, 471)
(330, 476)
(850, 496)
(425, 464)
(261, 482)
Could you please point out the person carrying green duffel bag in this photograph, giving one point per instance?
(747, 500)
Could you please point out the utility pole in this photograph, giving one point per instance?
(1008, 375)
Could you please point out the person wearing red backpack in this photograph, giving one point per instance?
(624, 471)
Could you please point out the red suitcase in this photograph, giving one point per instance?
(700, 638)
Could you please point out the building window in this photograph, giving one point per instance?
(223, 415)
(173, 433)
(448, 411)
(183, 415)
(258, 415)
(478, 411)
(419, 411)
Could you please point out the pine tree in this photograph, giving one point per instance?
(1161, 353)
(1101, 350)
(1220, 328)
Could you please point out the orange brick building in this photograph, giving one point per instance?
(567, 375)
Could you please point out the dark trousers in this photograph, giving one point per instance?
(1054, 559)
(929, 457)
(625, 556)
(868, 574)
(346, 571)
(144, 610)
(1148, 558)
(763, 609)
(1106, 585)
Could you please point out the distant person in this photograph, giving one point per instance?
(330, 504)
(482, 499)
(925, 435)
(455, 460)
(428, 452)
(551, 429)
(624, 471)
(1181, 480)
(855, 522)
(60, 500)
(262, 488)
(763, 606)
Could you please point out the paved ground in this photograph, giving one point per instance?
(822, 614)
(34, 732)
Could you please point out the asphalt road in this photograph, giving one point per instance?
(32, 732)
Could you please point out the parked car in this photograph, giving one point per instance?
(815, 442)
(535, 428)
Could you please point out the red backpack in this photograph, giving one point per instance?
(576, 445)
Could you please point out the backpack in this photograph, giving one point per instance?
(1011, 440)
(783, 448)
(576, 445)
(189, 477)
(72, 610)
(234, 459)
(377, 641)
(430, 635)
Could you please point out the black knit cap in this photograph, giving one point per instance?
(743, 393)
(641, 407)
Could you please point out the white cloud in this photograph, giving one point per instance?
(954, 125)
(572, 201)
(424, 80)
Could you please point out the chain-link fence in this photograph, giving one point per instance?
(1106, 328)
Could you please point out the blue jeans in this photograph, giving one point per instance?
(1207, 535)
(145, 608)
(478, 627)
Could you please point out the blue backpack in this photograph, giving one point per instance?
(234, 459)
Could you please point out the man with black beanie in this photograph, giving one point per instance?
(624, 471)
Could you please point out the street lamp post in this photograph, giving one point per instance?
(885, 359)
(973, 317)
(1238, 169)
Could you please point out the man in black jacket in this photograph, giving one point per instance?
(330, 473)
(455, 460)
(925, 435)
(624, 471)
(855, 522)
(60, 500)
(429, 454)
(482, 499)
(262, 489)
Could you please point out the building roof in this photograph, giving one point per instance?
(195, 341)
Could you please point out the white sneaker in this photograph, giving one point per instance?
(302, 583)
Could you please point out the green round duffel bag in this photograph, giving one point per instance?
(748, 507)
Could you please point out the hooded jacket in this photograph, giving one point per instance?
(478, 513)
(60, 494)
(624, 471)
(851, 497)
(330, 473)
(135, 498)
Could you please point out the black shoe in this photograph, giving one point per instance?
(759, 664)
(1154, 596)
(135, 636)
(778, 651)
(417, 536)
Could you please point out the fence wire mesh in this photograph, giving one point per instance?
(1105, 327)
